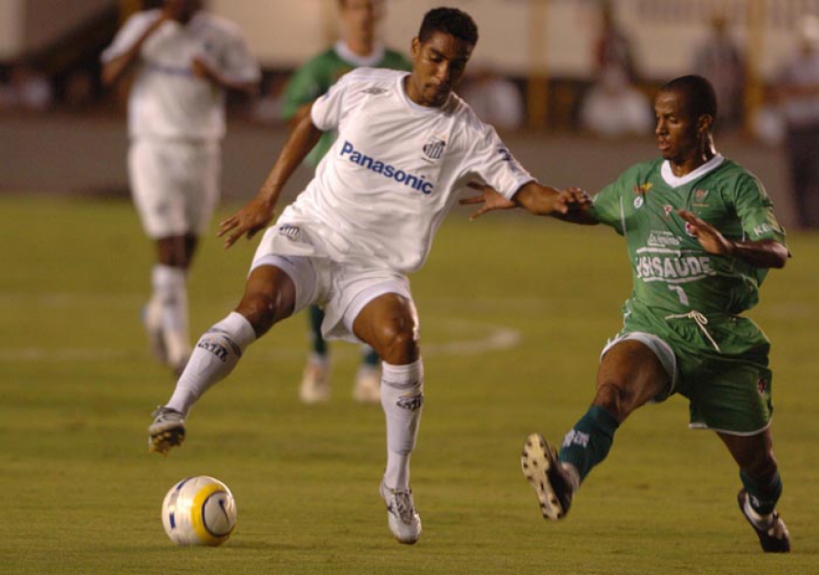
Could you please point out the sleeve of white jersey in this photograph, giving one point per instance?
(491, 161)
(239, 63)
(328, 110)
(127, 36)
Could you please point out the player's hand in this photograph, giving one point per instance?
(711, 240)
(255, 216)
(490, 200)
(203, 69)
(572, 199)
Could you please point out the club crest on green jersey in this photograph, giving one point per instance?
(699, 198)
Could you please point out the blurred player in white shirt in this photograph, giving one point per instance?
(407, 146)
(183, 61)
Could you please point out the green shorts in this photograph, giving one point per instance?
(721, 366)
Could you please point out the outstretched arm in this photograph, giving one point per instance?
(114, 69)
(569, 205)
(260, 210)
(761, 253)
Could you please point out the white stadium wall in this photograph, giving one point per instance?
(11, 28)
(664, 33)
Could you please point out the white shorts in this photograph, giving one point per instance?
(341, 288)
(175, 185)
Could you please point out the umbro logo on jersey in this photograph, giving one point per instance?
(507, 157)
(374, 91)
(434, 148)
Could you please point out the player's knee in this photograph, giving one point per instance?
(397, 342)
(615, 399)
(261, 310)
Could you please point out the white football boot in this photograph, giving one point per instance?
(403, 520)
(315, 382)
(367, 387)
(167, 430)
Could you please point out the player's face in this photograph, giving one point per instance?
(437, 68)
(359, 17)
(182, 10)
(677, 129)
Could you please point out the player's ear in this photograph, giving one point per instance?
(706, 122)
(415, 48)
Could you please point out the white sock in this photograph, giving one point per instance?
(402, 397)
(216, 354)
(170, 288)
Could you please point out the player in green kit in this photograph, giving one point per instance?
(701, 236)
(357, 48)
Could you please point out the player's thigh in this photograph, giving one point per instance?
(389, 324)
(276, 288)
(630, 375)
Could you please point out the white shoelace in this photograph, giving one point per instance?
(700, 320)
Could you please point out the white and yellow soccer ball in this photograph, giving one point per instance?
(199, 511)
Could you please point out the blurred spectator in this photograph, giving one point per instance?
(613, 49)
(268, 107)
(768, 123)
(614, 108)
(799, 97)
(720, 61)
(495, 99)
(27, 89)
(79, 91)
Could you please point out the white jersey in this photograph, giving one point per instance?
(167, 100)
(395, 171)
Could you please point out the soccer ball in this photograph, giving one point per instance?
(199, 511)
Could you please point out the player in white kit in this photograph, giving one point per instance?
(407, 147)
(183, 59)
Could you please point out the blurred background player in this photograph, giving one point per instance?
(182, 60)
(721, 61)
(798, 94)
(358, 47)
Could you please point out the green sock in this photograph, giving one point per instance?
(317, 342)
(763, 495)
(371, 358)
(589, 441)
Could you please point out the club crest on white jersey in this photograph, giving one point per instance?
(434, 148)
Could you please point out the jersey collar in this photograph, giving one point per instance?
(675, 182)
(351, 57)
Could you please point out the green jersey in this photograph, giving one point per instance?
(672, 273)
(316, 77)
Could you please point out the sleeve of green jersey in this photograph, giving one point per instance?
(755, 210)
(607, 205)
(304, 87)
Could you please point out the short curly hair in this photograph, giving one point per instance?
(700, 98)
(449, 21)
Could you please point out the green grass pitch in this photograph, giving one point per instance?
(514, 311)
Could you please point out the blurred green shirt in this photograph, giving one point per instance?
(317, 75)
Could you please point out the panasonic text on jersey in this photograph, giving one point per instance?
(418, 183)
